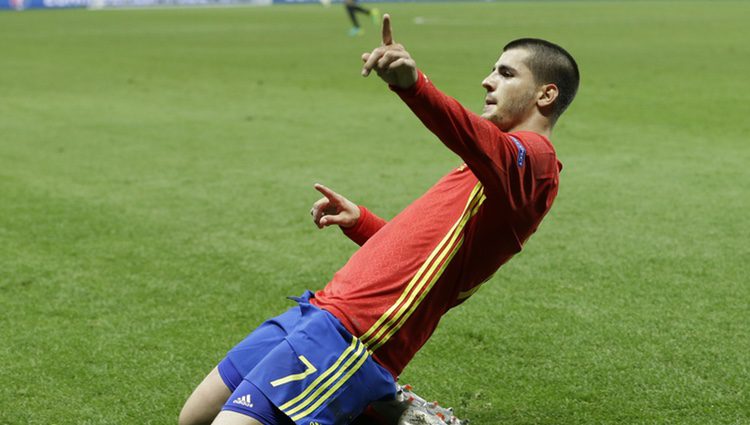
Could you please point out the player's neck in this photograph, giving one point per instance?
(537, 124)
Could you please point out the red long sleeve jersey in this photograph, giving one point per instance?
(438, 251)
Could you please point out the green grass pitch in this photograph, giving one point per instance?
(156, 171)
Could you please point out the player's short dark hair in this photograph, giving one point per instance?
(550, 63)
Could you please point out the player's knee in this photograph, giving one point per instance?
(228, 417)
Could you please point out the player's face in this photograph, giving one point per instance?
(511, 90)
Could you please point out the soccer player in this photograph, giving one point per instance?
(352, 8)
(340, 349)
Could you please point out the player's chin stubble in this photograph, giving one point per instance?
(512, 113)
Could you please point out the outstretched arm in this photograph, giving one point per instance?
(357, 222)
(487, 150)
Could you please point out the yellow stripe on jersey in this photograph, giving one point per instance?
(466, 294)
(413, 306)
(418, 282)
(371, 335)
(386, 326)
(368, 336)
(450, 253)
(395, 322)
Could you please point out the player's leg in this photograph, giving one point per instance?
(249, 406)
(206, 401)
(227, 417)
(374, 13)
(352, 16)
(210, 396)
(361, 9)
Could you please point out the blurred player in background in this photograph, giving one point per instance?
(341, 349)
(352, 8)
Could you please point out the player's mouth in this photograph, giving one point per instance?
(489, 103)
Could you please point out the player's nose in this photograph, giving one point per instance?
(487, 84)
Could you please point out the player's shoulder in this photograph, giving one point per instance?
(535, 142)
(539, 153)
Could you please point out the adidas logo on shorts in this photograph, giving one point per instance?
(244, 401)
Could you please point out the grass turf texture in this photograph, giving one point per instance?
(156, 171)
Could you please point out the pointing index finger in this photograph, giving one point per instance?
(328, 193)
(387, 34)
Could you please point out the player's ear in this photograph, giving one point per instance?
(547, 95)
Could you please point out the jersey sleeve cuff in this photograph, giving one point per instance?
(367, 225)
(414, 90)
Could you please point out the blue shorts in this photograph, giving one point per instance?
(303, 367)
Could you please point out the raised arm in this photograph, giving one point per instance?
(485, 149)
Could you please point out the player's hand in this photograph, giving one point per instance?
(333, 208)
(390, 61)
